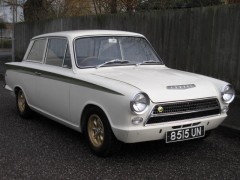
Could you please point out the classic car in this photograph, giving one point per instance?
(113, 87)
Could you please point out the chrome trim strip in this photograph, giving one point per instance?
(181, 112)
(188, 100)
(181, 121)
(181, 87)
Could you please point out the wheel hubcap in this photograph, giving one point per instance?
(21, 101)
(95, 130)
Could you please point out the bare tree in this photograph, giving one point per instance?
(114, 6)
(16, 6)
(46, 9)
(35, 10)
(75, 8)
(232, 1)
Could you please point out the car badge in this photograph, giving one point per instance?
(181, 87)
(160, 109)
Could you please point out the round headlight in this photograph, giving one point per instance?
(139, 103)
(228, 93)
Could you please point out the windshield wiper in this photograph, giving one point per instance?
(113, 61)
(148, 62)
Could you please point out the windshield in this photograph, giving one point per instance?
(114, 51)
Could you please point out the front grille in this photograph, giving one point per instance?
(184, 110)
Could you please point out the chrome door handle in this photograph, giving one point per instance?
(38, 73)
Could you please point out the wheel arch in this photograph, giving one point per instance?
(109, 143)
(84, 111)
(17, 88)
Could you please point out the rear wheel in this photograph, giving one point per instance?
(99, 134)
(22, 106)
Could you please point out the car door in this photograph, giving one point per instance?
(34, 59)
(52, 86)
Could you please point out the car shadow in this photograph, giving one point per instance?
(127, 150)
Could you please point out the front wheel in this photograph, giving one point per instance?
(22, 106)
(99, 134)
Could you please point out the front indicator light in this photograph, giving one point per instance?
(137, 120)
(225, 109)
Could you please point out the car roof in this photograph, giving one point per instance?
(79, 33)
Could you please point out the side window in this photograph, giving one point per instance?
(37, 51)
(67, 60)
(56, 51)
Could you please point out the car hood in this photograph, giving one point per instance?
(154, 82)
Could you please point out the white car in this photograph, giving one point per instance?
(113, 87)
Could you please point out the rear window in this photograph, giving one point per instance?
(56, 51)
(37, 51)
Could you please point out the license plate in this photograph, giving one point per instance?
(185, 134)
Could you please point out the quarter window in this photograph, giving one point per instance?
(37, 51)
(56, 51)
(67, 60)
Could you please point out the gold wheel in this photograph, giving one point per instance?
(95, 130)
(21, 101)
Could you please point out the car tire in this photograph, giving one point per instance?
(98, 133)
(22, 105)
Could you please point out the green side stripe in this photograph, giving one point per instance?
(62, 78)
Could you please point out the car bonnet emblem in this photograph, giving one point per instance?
(187, 86)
